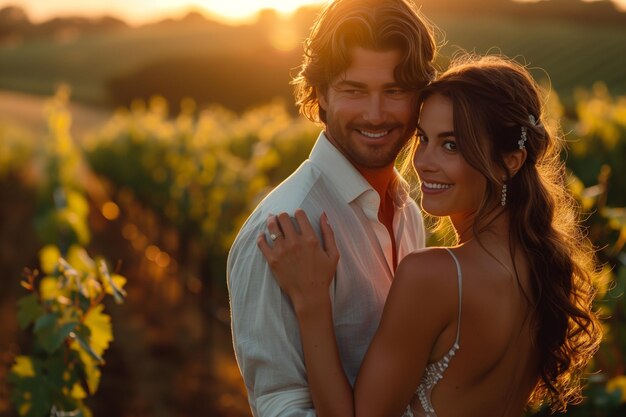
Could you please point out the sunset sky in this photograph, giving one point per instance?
(141, 11)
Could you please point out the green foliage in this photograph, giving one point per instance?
(203, 174)
(601, 140)
(63, 309)
(71, 333)
(62, 209)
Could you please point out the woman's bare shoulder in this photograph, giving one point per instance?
(429, 272)
(427, 263)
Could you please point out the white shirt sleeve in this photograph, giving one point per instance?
(265, 332)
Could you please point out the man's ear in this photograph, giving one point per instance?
(321, 98)
(514, 161)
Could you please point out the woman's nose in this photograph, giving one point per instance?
(423, 159)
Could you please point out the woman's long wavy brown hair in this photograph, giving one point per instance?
(371, 24)
(493, 99)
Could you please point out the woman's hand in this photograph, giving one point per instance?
(303, 268)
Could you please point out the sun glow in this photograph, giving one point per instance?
(242, 9)
(142, 11)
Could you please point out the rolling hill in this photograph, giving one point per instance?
(243, 66)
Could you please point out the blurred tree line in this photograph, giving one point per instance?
(109, 63)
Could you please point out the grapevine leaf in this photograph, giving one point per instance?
(113, 285)
(78, 392)
(93, 374)
(91, 288)
(45, 321)
(99, 325)
(49, 288)
(31, 398)
(48, 258)
(30, 393)
(87, 348)
(50, 333)
(77, 223)
(29, 310)
(78, 257)
(56, 369)
(23, 367)
(77, 203)
(84, 411)
(90, 366)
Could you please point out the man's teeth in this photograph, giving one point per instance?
(373, 134)
(435, 186)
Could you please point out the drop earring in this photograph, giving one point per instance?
(503, 200)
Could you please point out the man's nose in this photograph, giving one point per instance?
(375, 112)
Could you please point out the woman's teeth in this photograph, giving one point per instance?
(435, 186)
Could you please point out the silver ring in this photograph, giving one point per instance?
(274, 236)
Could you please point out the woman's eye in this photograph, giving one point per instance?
(449, 145)
(422, 138)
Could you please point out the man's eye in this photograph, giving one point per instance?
(396, 91)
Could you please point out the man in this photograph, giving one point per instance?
(364, 64)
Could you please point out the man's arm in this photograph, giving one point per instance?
(265, 332)
(304, 269)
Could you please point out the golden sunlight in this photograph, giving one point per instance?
(142, 11)
(241, 9)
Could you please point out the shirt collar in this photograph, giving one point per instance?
(338, 169)
(345, 177)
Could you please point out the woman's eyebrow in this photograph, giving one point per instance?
(446, 134)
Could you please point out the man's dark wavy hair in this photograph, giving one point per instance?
(370, 24)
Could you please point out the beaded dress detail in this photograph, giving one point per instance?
(434, 371)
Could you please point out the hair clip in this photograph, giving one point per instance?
(521, 144)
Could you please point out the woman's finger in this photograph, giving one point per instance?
(286, 225)
(329, 239)
(274, 229)
(265, 248)
(303, 222)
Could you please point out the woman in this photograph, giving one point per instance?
(501, 320)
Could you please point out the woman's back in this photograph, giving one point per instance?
(495, 369)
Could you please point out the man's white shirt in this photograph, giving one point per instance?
(265, 330)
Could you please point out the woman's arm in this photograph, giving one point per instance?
(304, 271)
(421, 304)
(331, 392)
